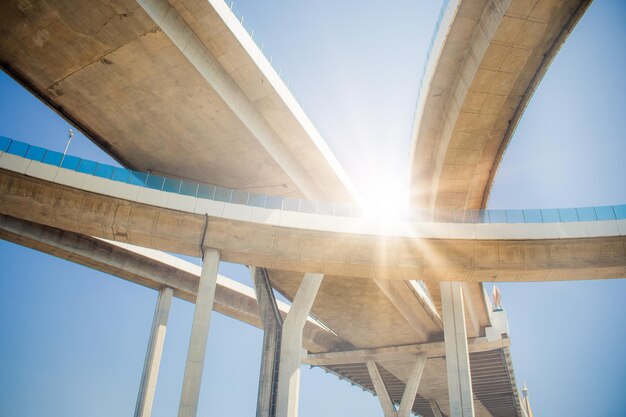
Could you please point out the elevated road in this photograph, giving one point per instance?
(301, 242)
(487, 60)
(179, 90)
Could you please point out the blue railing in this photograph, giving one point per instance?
(227, 195)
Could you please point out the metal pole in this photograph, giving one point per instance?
(69, 140)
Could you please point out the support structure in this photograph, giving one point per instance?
(291, 346)
(147, 387)
(272, 329)
(410, 390)
(199, 334)
(457, 354)
(435, 408)
(386, 404)
(412, 384)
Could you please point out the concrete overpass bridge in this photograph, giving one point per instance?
(370, 306)
(173, 71)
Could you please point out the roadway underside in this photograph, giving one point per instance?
(351, 325)
(120, 77)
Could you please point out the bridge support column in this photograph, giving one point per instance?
(199, 334)
(410, 390)
(272, 329)
(291, 346)
(457, 355)
(147, 387)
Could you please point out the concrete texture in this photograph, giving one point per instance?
(199, 334)
(485, 70)
(300, 250)
(112, 71)
(457, 352)
(147, 387)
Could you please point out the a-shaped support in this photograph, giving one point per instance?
(272, 329)
(147, 387)
(457, 356)
(291, 346)
(410, 390)
(199, 334)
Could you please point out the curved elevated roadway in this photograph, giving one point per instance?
(348, 250)
(179, 89)
(487, 60)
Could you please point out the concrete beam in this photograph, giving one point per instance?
(291, 346)
(272, 331)
(386, 404)
(147, 387)
(199, 335)
(175, 27)
(398, 353)
(457, 352)
(410, 390)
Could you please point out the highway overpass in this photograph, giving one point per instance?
(220, 162)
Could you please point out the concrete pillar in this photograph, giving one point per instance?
(151, 365)
(291, 346)
(410, 390)
(272, 329)
(457, 356)
(199, 334)
(386, 404)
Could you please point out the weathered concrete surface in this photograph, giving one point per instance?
(153, 270)
(300, 250)
(111, 70)
(492, 60)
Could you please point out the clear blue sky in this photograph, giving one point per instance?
(72, 340)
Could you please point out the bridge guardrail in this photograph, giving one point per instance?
(227, 195)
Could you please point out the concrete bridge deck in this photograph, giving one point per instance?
(121, 72)
(387, 310)
(300, 242)
(487, 60)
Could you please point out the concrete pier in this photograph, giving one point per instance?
(147, 387)
(291, 346)
(413, 383)
(199, 335)
(457, 355)
(272, 330)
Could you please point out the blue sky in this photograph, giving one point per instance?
(72, 340)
